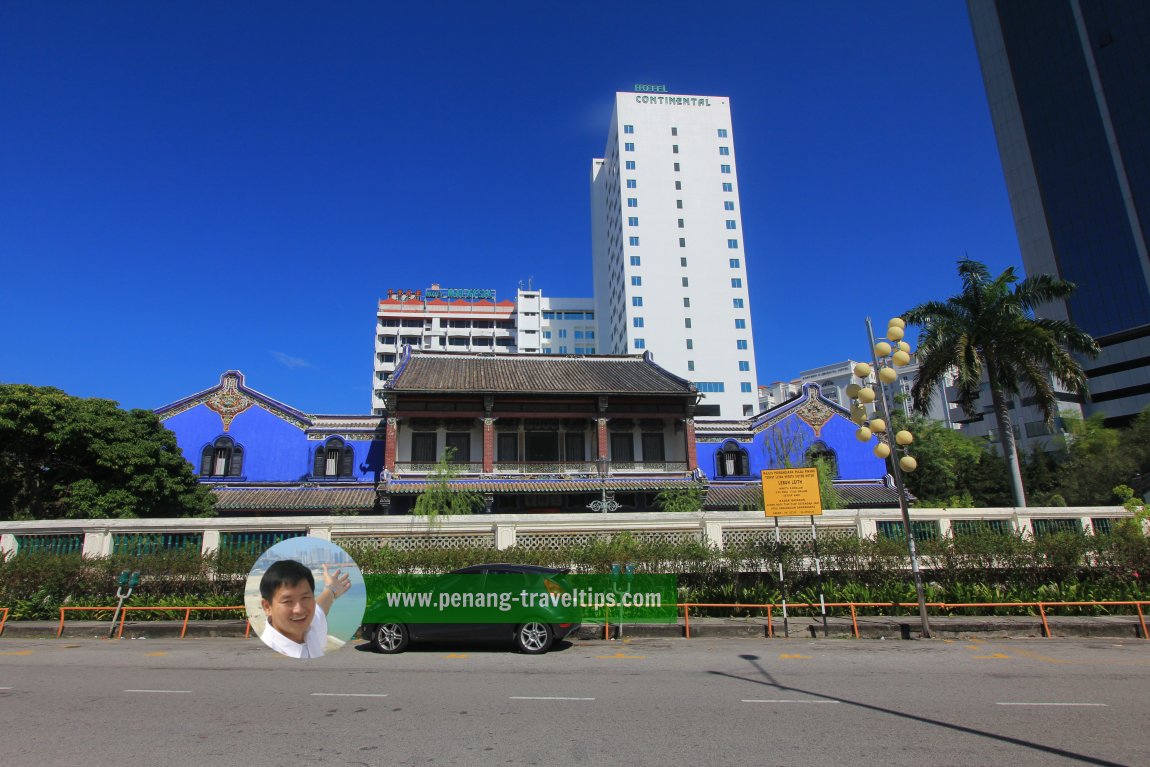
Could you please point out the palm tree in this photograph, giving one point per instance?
(989, 330)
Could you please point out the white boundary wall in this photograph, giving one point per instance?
(506, 530)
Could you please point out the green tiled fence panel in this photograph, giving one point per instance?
(968, 527)
(1051, 526)
(141, 544)
(254, 543)
(1104, 525)
(65, 543)
(924, 530)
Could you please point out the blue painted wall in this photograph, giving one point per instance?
(274, 450)
(793, 437)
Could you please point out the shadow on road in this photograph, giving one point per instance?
(768, 680)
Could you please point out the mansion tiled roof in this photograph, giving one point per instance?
(516, 485)
(724, 495)
(534, 374)
(356, 497)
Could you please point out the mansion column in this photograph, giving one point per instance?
(488, 438)
(692, 454)
(601, 436)
(391, 444)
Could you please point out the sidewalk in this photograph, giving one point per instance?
(870, 627)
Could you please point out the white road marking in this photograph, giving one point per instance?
(351, 694)
(543, 697)
(5, 688)
(1011, 703)
(786, 700)
(183, 691)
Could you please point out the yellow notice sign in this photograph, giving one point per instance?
(791, 493)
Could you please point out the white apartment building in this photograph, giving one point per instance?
(471, 320)
(669, 264)
(833, 380)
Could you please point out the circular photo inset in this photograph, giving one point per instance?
(305, 597)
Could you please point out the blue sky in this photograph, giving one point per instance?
(190, 187)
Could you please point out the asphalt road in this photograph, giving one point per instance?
(645, 702)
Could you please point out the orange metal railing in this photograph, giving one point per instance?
(853, 606)
(187, 610)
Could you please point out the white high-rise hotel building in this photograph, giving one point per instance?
(670, 272)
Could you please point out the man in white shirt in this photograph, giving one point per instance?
(297, 618)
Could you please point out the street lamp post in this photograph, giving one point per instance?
(897, 355)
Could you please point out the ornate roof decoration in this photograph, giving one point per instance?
(231, 397)
(228, 401)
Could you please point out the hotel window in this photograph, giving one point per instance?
(630, 165)
(737, 303)
(713, 387)
(734, 262)
(423, 448)
(674, 131)
(547, 335)
(682, 242)
(674, 149)
(686, 322)
(724, 150)
(633, 202)
(637, 322)
(679, 204)
(578, 335)
(562, 349)
(590, 334)
(628, 147)
(635, 260)
(728, 205)
(676, 167)
(690, 343)
(733, 244)
(636, 300)
(640, 343)
(628, 128)
(740, 324)
(681, 224)
(686, 303)
(507, 447)
(690, 366)
(653, 447)
(683, 261)
(631, 183)
(633, 241)
(724, 168)
(730, 223)
(686, 283)
(741, 345)
(562, 332)
(333, 459)
(736, 282)
(636, 280)
(745, 387)
(728, 186)
(222, 458)
(632, 220)
(722, 132)
(678, 186)
(744, 366)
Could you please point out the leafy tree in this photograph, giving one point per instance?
(829, 497)
(681, 498)
(989, 330)
(64, 457)
(440, 498)
(1096, 461)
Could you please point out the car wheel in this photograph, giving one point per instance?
(534, 638)
(389, 638)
